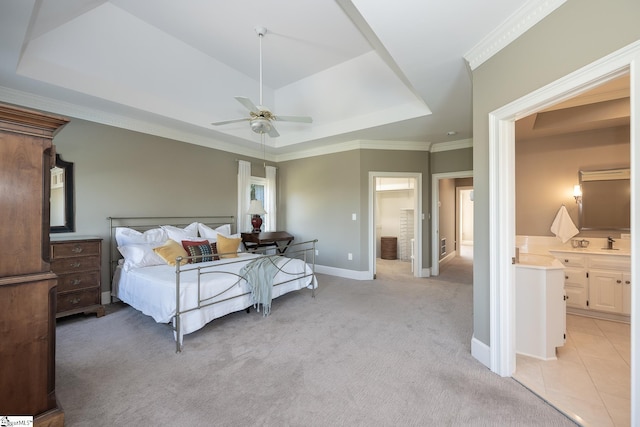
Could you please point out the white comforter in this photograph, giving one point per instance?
(152, 290)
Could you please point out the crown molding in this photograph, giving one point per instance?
(452, 145)
(355, 145)
(517, 24)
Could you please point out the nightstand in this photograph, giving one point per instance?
(280, 240)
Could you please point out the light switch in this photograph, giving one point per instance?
(353, 216)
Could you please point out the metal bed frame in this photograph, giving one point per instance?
(304, 251)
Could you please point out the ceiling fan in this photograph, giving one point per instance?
(260, 117)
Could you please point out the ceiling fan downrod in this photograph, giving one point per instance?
(261, 31)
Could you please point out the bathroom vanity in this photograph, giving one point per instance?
(597, 282)
(540, 302)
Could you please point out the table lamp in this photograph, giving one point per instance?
(255, 210)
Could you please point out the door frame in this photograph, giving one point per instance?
(502, 202)
(459, 215)
(417, 223)
(435, 214)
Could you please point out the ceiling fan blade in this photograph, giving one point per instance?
(273, 133)
(249, 105)
(299, 119)
(230, 121)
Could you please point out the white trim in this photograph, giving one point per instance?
(502, 206)
(516, 25)
(435, 214)
(341, 272)
(105, 298)
(417, 191)
(354, 145)
(452, 145)
(481, 352)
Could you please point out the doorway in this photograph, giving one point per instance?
(436, 238)
(395, 213)
(502, 200)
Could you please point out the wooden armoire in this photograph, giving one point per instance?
(27, 285)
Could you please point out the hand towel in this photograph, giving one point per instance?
(563, 227)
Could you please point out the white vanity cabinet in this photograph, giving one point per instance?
(597, 281)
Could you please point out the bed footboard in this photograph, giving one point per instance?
(296, 267)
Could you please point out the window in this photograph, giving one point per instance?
(257, 189)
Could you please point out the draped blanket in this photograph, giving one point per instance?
(259, 274)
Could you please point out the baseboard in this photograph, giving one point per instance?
(341, 272)
(481, 352)
(450, 256)
(105, 298)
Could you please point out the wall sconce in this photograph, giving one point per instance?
(577, 193)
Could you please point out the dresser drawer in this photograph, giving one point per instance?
(74, 249)
(76, 281)
(72, 265)
(78, 300)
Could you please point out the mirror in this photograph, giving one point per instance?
(62, 208)
(606, 200)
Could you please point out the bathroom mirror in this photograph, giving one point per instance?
(62, 207)
(606, 200)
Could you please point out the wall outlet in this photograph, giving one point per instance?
(316, 252)
(353, 217)
(350, 256)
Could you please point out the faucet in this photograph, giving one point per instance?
(610, 242)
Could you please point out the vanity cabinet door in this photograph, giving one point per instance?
(605, 291)
(626, 293)
(575, 287)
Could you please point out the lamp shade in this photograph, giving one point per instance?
(255, 208)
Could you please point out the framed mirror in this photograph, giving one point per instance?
(62, 207)
(606, 200)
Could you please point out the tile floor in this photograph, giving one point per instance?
(590, 381)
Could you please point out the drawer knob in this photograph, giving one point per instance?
(76, 281)
(75, 264)
(618, 281)
(566, 260)
(566, 277)
(75, 300)
(627, 282)
(77, 249)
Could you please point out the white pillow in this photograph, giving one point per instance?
(211, 234)
(179, 234)
(140, 255)
(128, 236)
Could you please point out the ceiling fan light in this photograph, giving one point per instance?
(260, 125)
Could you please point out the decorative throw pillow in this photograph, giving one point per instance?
(170, 251)
(202, 251)
(228, 246)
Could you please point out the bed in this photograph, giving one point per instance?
(188, 271)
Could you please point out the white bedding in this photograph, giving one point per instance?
(152, 290)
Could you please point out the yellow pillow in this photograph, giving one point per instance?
(228, 246)
(170, 251)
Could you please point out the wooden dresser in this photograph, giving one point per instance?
(27, 285)
(76, 262)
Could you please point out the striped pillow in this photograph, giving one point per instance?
(203, 251)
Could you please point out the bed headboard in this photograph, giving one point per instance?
(144, 223)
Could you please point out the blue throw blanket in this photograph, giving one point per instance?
(259, 274)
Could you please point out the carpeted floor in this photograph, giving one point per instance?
(390, 352)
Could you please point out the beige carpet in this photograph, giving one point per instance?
(389, 352)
